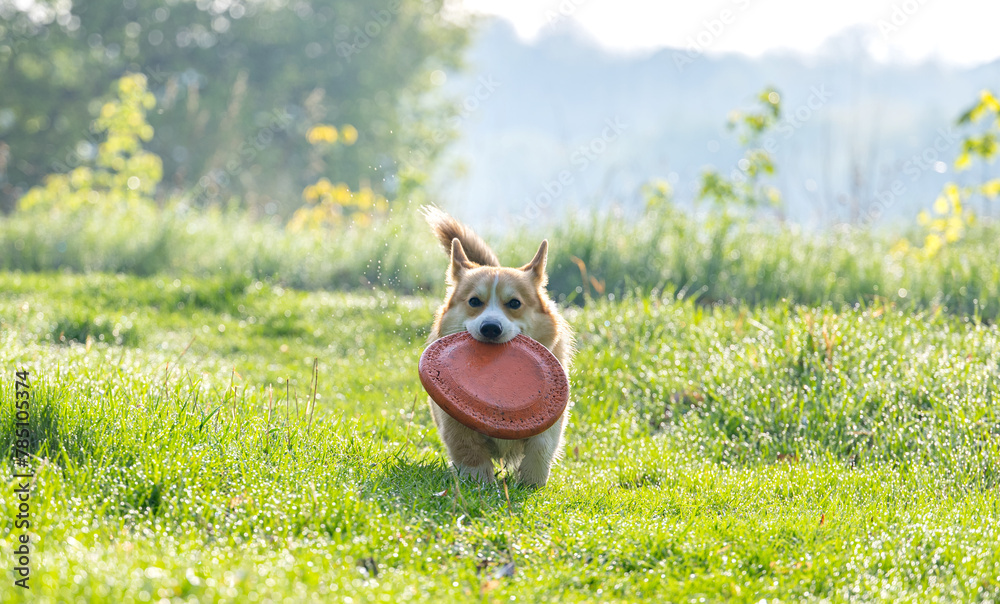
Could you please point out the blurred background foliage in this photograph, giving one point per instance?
(121, 175)
(238, 85)
(290, 140)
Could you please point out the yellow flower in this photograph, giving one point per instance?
(773, 196)
(932, 244)
(952, 193)
(991, 188)
(132, 83)
(924, 218)
(962, 161)
(310, 194)
(941, 205)
(955, 228)
(320, 189)
(81, 178)
(321, 133)
(341, 195)
(989, 101)
(900, 248)
(328, 205)
(350, 134)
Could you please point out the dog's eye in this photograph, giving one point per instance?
(514, 304)
(475, 302)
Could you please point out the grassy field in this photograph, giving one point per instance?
(665, 248)
(779, 452)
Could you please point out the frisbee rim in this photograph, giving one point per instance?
(554, 379)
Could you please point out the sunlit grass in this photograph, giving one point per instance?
(665, 249)
(787, 452)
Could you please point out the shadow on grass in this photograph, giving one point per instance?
(47, 433)
(427, 488)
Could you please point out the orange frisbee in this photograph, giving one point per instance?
(511, 391)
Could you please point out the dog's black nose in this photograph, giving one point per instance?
(490, 330)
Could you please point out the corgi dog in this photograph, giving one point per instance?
(495, 304)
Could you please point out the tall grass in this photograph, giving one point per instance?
(719, 261)
(715, 260)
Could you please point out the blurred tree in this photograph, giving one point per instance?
(238, 84)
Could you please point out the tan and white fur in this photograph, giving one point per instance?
(495, 304)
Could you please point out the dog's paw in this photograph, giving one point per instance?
(482, 473)
(533, 475)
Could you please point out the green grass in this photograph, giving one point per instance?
(784, 452)
(664, 249)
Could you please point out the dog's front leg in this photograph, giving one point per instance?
(469, 450)
(540, 451)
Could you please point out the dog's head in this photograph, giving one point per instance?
(495, 304)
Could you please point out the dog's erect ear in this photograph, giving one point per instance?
(537, 265)
(459, 261)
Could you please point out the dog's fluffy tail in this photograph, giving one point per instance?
(447, 228)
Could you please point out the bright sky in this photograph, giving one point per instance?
(959, 31)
